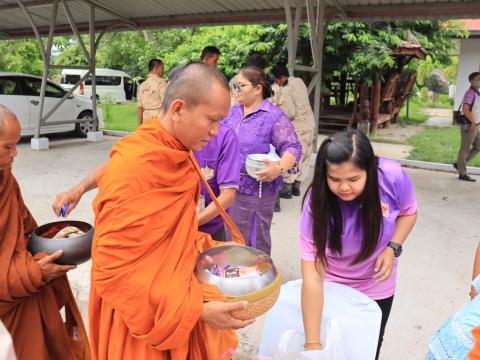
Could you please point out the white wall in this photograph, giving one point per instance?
(469, 61)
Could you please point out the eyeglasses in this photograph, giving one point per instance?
(239, 86)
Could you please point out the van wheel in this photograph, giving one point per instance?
(81, 129)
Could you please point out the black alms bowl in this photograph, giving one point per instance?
(76, 250)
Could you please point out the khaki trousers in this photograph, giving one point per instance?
(469, 147)
(306, 139)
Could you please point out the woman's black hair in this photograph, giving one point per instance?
(257, 77)
(327, 222)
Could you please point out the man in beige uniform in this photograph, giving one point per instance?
(296, 105)
(151, 92)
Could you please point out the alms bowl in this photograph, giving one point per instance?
(76, 250)
(261, 291)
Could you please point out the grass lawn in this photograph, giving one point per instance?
(438, 144)
(430, 144)
(122, 117)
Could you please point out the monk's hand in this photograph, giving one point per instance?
(218, 315)
(273, 171)
(71, 198)
(50, 270)
(384, 264)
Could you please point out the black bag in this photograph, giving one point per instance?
(460, 117)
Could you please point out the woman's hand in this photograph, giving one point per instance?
(384, 264)
(272, 171)
(71, 198)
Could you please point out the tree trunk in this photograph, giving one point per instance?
(146, 36)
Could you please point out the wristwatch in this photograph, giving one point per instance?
(397, 248)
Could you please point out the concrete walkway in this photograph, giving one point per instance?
(439, 117)
(434, 272)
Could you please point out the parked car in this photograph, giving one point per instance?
(115, 84)
(21, 93)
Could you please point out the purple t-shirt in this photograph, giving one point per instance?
(398, 199)
(469, 97)
(266, 125)
(219, 162)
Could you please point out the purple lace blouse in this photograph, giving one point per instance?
(264, 126)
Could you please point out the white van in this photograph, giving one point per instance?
(113, 83)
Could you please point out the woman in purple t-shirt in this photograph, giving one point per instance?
(357, 214)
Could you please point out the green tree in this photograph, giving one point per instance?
(21, 56)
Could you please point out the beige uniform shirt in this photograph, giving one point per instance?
(293, 100)
(150, 96)
(297, 105)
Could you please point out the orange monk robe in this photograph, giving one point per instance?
(145, 301)
(29, 307)
(474, 354)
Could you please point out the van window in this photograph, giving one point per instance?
(70, 79)
(105, 80)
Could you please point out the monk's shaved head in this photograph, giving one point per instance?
(9, 136)
(193, 83)
(6, 116)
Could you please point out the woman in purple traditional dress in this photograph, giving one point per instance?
(258, 123)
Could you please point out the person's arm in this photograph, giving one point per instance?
(226, 199)
(140, 108)
(384, 263)
(312, 304)
(476, 271)
(285, 141)
(276, 168)
(140, 115)
(73, 196)
(467, 111)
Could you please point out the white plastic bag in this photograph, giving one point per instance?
(291, 345)
(358, 317)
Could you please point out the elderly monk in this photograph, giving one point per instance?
(33, 289)
(145, 301)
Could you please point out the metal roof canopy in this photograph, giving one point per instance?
(145, 14)
(28, 18)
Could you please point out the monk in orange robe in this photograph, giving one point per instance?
(32, 289)
(145, 301)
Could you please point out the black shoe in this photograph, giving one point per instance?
(466, 178)
(455, 165)
(286, 192)
(296, 188)
(277, 206)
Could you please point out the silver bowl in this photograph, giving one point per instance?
(254, 164)
(76, 250)
(236, 255)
